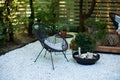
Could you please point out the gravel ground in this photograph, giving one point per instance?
(19, 65)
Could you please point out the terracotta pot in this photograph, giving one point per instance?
(63, 33)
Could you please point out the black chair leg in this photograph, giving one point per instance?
(65, 56)
(52, 61)
(45, 53)
(38, 55)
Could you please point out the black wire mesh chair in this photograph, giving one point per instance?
(50, 42)
(115, 19)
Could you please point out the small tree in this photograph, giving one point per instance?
(48, 13)
(2, 36)
(8, 24)
(83, 16)
(10, 7)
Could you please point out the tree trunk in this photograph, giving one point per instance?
(31, 18)
(9, 24)
(83, 16)
(82, 27)
(31, 22)
(11, 34)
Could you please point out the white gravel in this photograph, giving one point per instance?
(19, 65)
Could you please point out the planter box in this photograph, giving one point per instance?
(108, 49)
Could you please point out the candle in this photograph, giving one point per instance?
(79, 51)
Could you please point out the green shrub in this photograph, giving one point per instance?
(73, 29)
(84, 41)
(2, 36)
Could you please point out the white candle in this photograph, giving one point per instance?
(79, 51)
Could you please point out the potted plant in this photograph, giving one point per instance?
(86, 58)
(84, 46)
(84, 41)
(62, 27)
(63, 31)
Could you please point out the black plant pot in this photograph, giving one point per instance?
(86, 61)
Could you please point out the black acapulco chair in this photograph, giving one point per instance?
(51, 43)
(115, 18)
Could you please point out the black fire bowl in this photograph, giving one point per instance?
(86, 61)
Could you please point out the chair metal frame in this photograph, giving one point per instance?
(41, 34)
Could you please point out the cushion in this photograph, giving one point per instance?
(117, 19)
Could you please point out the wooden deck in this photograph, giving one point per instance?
(108, 49)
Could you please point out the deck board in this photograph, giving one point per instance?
(108, 49)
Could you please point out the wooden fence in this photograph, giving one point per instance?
(69, 9)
